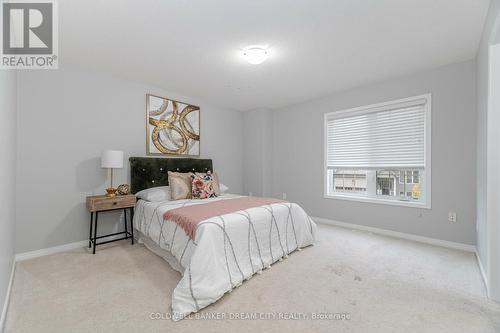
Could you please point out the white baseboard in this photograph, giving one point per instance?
(58, 249)
(51, 250)
(385, 232)
(483, 273)
(7, 297)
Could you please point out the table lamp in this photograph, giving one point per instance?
(112, 159)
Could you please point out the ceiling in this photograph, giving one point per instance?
(317, 47)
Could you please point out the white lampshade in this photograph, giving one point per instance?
(112, 159)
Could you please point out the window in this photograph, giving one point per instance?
(411, 177)
(380, 153)
(350, 181)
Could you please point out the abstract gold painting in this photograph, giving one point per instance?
(172, 127)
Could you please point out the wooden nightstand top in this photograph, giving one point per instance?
(99, 203)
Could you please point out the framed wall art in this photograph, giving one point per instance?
(172, 127)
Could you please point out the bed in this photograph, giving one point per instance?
(227, 249)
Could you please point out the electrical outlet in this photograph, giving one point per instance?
(250, 194)
(284, 196)
(452, 217)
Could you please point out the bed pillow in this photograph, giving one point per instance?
(203, 187)
(180, 185)
(216, 183)
(155, 194)
(223, 188)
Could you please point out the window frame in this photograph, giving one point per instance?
(426, 180)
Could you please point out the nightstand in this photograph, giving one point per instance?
(101, 203)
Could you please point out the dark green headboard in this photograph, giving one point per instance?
(147, 172)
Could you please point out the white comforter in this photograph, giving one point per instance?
(228, 249)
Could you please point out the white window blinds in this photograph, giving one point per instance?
(388, 136)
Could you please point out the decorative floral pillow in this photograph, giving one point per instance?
(216, 181)
(202, 187)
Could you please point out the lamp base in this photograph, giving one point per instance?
(110, 192)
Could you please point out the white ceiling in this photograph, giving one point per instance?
(317, 46)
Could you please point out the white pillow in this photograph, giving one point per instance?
(155, 194)
(223, 188)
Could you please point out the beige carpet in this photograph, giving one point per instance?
(383, 284)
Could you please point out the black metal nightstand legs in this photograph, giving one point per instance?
(95, 232)
(132, 224)
(93, 229)
(90, 234)
(125, 219)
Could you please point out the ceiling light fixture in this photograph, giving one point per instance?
(255, 54)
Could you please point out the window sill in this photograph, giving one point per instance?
(421, 205)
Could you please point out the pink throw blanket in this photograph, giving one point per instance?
(188, 217)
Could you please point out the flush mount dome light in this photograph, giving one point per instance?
(255, 54)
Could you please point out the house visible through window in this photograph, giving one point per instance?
(409, 177)
(380, 153)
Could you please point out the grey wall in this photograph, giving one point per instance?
(257, 158)
(482, 60)
(8, 114)
(298, 155)
(493, 177)
(67, 117)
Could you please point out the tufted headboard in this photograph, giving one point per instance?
(147, 172)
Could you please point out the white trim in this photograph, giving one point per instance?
(483, 272)
(377, 107)
(396, 234)
(51, 250)
(426, 180)
(57, 249)
(428, 154)
(394, 202)
(3, 318)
